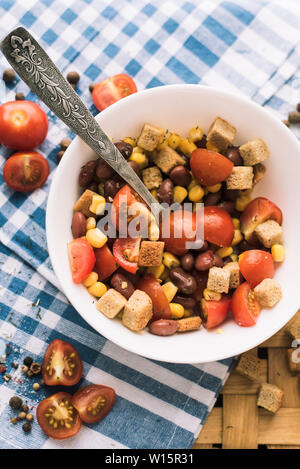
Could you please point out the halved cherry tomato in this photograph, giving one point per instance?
(218, 226)
(25, 172)
(113, 89)
(210, 167)
(258, 211)
(23, 125)
(105, 262)
(215, 312)
(62, 364)
(127, 204)
(57, 417)
(178, 229)
(126, 253)
(82, 259)
(150, 285)
(93, 402)
(256, 265)
(245, 309)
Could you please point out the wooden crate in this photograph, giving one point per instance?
(237, 423)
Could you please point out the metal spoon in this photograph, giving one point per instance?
(35, 67)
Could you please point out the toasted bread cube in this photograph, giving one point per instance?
(138, 311)
(269, 233)
(150, 137)
(270, 397)
(218, 280)
(111, 303)
(234, 271)
(268, 293)
(152, 177)
(167, 159)
(293, 356)
(254, 152)
(293, 328)
(240, 178)
(221, 134)
(189, 324)
(151, 253)
(84, 202)
(259, 170)
(249, 366)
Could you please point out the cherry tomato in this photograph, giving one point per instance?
(23, 125)
(62, 364)
(82, 259)
(245, 309)
(218, 226)
(25, 172)
(258, 211)
(150, 285)
(127, 204)
(256, 265)
(105, 262)
(113, 89)
(210, 167)
(57, 417)
(93, 402)
(126, 253)
(215, 312)
(178, 229)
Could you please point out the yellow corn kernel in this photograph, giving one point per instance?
(91, 279)
(210, 295)
(162, 145)
(174, 141)
(242, 202)
(130, 140)
(236, 223)
(170, 261)
(156, 271)
(96, 238)
(234, 257)
(140, 159)
(91, 223)
(170, 290)
(224, 252)
(196, 133)
(153, 231)
(179, 194)
(101, 188)
(278, 252)
(192, 184)
(188, 312)
(97, 289)
(177, 310)
(196, 193)
(154, 193)
(237, 237)
(98, 204)
(138, 150)
(212, 147)
(187, 146)
(165, 275)
(214, 188)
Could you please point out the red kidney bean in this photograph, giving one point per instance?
(185, 282)
(180, 176)
(201, 280)
(111, 188)
(87, 173)
(134, 166)
(103, 170)
(218, 261)
(165, 192)
(203, 248)
(204, 261)
(93, 187)
(187, 262)
(228, 206)
(230, 194)
(78, 226)
(124, 148)
(233, 154)
(186, 301)
(163, 327)
(121, 283)
(134, 278)
(212, 198)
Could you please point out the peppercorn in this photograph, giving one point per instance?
(28, 361)
(26, 427)
(65, 143)
(9, 75)
(59, 155)
(25, 408)
(36, 368)
(286, 122)
(14, 420)
(29, 373)
(294, 117)
(73, 77)
(15, 402)
(91, 87)
(36, 386)
(19, 96)
(15, 365)
(29, 417)
(7, 378)
(24, 368)
(22, 415)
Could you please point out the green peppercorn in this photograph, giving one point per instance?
(9, 75)
(15, 402)
(73, 77)
(26, 427)
(14, 420)
(28, 361)
(29, 373)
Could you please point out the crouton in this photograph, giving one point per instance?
(293, 356)
(218, 280)
(189, 324)
(152, 177)
(258, 172)
(221, 134)
(167, 159)
(240, 178)
(138, 311)
(268, 293)
(234, 271)
(269, 233)
(150, 137)
(111, 303)
(84, 202)
(254, 152)
(150, 254)
(270, 397)
(249, 366)
(293, 328)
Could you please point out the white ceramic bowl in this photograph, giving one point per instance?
(180, 107)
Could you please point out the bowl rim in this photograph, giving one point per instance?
(51, 238)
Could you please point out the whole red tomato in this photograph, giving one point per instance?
(23, 125)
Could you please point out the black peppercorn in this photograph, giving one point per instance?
(91, 87)
(73, 77)
(9, 75)
(19, 97)
(65, 143)
(28, 361)
(15, 402)
(26, 427)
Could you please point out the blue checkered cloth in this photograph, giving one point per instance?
(246, 46)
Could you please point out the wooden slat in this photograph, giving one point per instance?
(283, 428)
(240, 422)
(281, 339)
(196, 446)
(280, 375)
(212, 430)
(237, 384)
(283, 447)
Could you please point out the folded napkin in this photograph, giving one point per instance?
(248, 47)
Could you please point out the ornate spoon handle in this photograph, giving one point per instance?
(38, 71)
